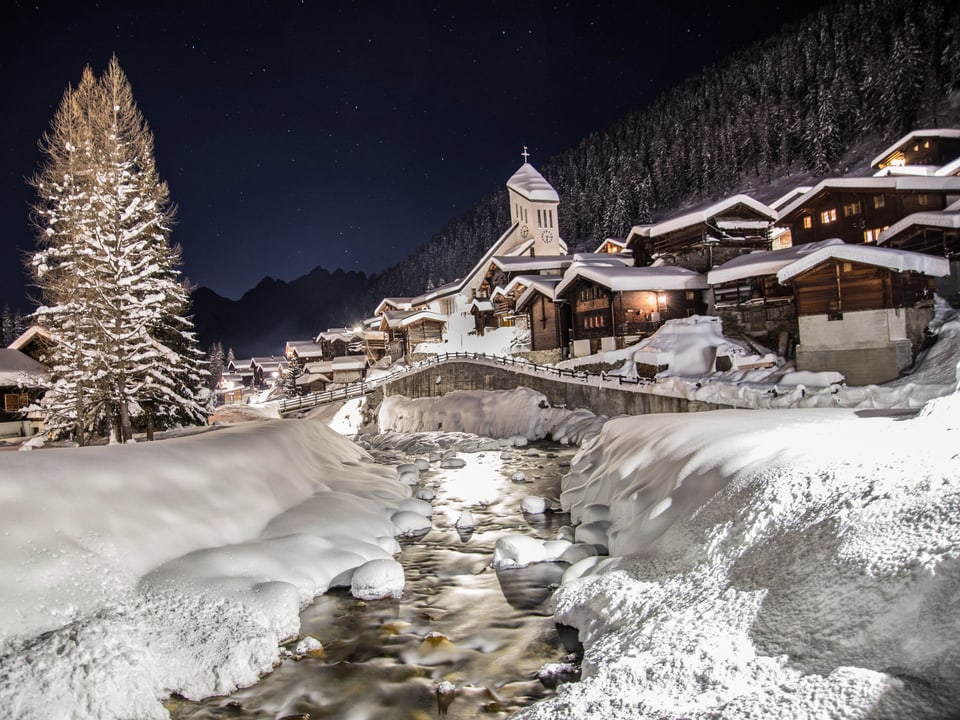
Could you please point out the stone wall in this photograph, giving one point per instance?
(465, 375)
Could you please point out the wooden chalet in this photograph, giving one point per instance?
(337, 342)
(34, 342)
(316, 376)
(746, 294)
(613, 306)
(933, 233)
(861, 309)
(267, 371)
(410, 327)
(349, 368)
(701, 239)
(612, 246)
(484, 317)
(857, 210)
(549, 321)
(920, 151)
(22, 382)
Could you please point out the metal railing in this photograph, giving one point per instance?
(523, 365)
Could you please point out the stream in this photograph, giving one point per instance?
(484, 631)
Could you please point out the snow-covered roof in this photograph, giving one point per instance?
(611, 259)
(764, 262)
(308, 378)
(520, 249)
(790, 196)
(402, 318)
(622, 278)
(481, 305)
(543, 284)
(890, 183)
(899, 260)
(304, 350)
(942, 132)
(948, 219)
(951, 168)
(450, 288)
(34, 332)
(349, 362)
(396, 303)
(699, 217)
(920, 170)
(345, 334)
(319, 368)
(611, 241)
(19, 369)
(532, 185)
(535, 263)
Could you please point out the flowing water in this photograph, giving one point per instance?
(486, 632)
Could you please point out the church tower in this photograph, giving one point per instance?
(533, 208)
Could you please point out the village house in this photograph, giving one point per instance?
(405, 329)
(933, 233)
(548, 321)
(747, 296)
(921, 152)
(859, 209)
(861, 310)
(612, 306)
(22, 383)
(701, 239)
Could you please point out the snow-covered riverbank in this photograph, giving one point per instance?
(131, 572)
(799, 564)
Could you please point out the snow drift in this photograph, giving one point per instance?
(772, 564)
(134, 571)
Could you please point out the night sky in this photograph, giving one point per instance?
(297, 134)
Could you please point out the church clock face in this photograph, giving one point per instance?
(546, 236)
(524, 231)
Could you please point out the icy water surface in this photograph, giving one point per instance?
(460, 621)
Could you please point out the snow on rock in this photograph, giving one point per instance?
(134, 571)
(410, 523)
(517, 551)
(466, 521)
(533, 505)
(519, 413)
(378, 579)
(807, 565)
(231, 414)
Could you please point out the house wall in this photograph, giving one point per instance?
(544, 324)
(858, 211)
(868, 347)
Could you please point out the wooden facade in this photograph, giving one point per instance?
(838, 286)
(858, 215)
(598, 312)
(547, 327)
(920, 148)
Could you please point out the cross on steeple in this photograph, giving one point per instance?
(525, 153)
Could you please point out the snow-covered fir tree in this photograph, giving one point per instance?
(109, 278)
(215, 364)
(295, 369)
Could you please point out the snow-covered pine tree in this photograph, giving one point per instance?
(110, 282)
(295, 368)
(61, 266)
(215, 364)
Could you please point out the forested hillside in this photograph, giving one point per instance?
(805, 101)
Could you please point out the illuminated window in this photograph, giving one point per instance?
(923, 199)
(879, 201)
(926, 145)
(851, 209)
(807, 222)
(870, 236)
(828, 216)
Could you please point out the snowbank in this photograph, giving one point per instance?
(800, 564)
(178, 566)
(522, 414)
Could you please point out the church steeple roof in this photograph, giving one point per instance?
(532, 185)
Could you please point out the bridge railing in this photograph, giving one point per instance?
(364, 387)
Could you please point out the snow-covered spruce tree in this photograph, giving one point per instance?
(295, 369)
(109, 278)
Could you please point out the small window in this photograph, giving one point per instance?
(923, 199)
(691, 295)
(807, 222)
(879, 201)
(539, 218)
(828, 216)
(851, 209)
(870, 236)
